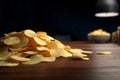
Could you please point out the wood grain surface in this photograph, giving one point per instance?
(99, 67)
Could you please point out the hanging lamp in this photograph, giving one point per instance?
(107, 8)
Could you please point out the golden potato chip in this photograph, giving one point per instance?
(4, 56)
(48, 59)
(55, 52)
(35, 59)
(45, 53)
(12, 40)
(64, 53)
(52, 45)
(67, 48)
(55, 44)
(57, 49)
(4, 53)
(17, 49)
(44, 36)
(19, 58)
(24, 42)
(79, 56)
(41, 34)
(6, 63)
(87, 52)
(39, 41)
(50, 38)
(40, 48)
(30, 33)
(59, 44)
(31, 52)
(10, 34)
(76, 53)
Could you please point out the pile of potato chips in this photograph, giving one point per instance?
(99, 32)
(28, 47)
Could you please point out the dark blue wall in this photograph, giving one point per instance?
(74, 18)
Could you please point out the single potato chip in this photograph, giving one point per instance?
(35, 59)
(39, 41)
(44, 36)
(31, 52)
(48, 59)
(67, 48)
(6, 63)
(30, 33)
(76, 53)
(52, 45)
(10, 34)
(59, 44)
(36, 41)
(23, 43)
(12, 40)
(87, 52)
(4, 53)
(64, 53)
(40, 48)
(45, 53)
(19, 58)
(55, 52)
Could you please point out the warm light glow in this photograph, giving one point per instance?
(105, 14)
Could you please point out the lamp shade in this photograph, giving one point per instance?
(107, 8)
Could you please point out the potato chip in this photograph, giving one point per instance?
(40, 48)
(24, 42)
(6, 63)
(79, 56)
(4, 56)
(44, 36)
(45, 53)
(59, 44)
(18, 58)
(39, 41)
(87, 52)
(85, 58)
(67, 48)
(76, 53)
(19, 34)
(17, 49)
(10, 34)
(52, 45)
(12, 40)
(48, 59)
(4, 53)
(55, 52)
(31, 52)
(64, 53)
(30, 33)
(57, 49)
(50, 38)
(35, 59)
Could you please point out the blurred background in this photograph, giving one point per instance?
(64, 20)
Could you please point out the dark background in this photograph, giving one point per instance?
(70, 19)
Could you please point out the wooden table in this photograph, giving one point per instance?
(99, 67)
